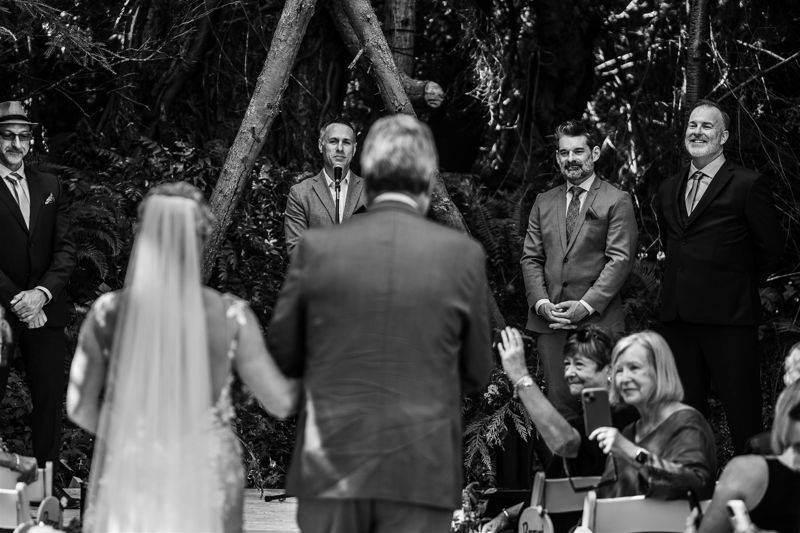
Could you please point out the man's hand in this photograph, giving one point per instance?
(547, 311)
(28, 304)
(38, 320)
(573, 311)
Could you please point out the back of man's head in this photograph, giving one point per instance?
(399, 155)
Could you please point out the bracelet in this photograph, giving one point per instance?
(16, 459)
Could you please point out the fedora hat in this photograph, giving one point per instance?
(12, 112)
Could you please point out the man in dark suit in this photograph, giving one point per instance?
(386, 321)
(722, 238)
(333, 195)
(578, 252)
(37, 259)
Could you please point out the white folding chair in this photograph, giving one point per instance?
(39, 492)
(634, 514)
(14, 506)
(552, 496)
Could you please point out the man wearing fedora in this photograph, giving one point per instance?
(36, 261)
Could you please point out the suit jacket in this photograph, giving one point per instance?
(386, 320)
(310, 205)
(43, 255)
(716, 258)
(592, 266)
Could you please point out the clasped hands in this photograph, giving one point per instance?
(27, 305)
(564, 315)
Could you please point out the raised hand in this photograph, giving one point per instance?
(512, 354)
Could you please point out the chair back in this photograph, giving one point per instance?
(551, 496)
(634, 514)
(36, 491)
(14, 507)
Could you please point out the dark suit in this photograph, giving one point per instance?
(710, 307)
(42, 256)
(310, 205)
(385, 318)
(592, 266)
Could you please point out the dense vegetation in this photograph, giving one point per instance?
(132, 93)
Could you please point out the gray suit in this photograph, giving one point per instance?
(310, 205)
(591, 267)
(386, 320)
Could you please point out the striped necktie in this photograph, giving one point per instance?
(21, 196)
(574, 209)
(691, 198)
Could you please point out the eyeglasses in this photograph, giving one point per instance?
(24, 137)
(579, 484)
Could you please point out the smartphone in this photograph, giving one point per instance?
(596, 409)
(694, 503)
(740, 518)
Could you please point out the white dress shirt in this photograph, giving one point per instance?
(709, 171)
(343, 185)
(23, 183)
(396, 197)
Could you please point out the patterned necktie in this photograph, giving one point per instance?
(574, 209)
(691, 198)
(20, 196)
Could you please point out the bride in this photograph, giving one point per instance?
(151, 377)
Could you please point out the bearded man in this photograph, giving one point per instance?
(578, 252)
(722, 236)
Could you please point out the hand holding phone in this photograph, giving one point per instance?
(596, 409)
(740, 518)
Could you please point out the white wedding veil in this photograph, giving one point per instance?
(154, 464)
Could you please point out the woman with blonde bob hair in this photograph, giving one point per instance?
(670, 449)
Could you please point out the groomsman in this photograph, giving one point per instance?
(36, 260)
(333, 195)
(386, 321)
(722, 236)
(578, 252)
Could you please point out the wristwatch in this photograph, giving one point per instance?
(524, 381)
(641, 456)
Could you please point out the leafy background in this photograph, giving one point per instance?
(96, 75)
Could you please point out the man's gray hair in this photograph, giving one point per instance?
(399, 155)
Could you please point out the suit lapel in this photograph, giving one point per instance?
(561, 215)
(587, 204)
(353, 193)
(714, 188)
(678, 201)
(11, 204)
(36, 193)
(323, 193)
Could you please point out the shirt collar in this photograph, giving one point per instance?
(586, 184)
(396, 197)
(329, 180)
(710, 169)
(5, 171)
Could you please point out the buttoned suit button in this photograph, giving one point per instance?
(566, 259)
(564, 284)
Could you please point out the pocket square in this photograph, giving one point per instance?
(50, 199)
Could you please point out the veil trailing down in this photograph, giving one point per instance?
(153, 467)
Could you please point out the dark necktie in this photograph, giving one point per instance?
(20, 196)
(694, 186)
(574, 209)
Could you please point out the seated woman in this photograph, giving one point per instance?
(670, 449)
(769, 486)
(587, 361)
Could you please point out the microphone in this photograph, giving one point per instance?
(337, 174)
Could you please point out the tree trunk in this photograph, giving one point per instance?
(182, 68)
(419, 92)
(261, 111)
(400, 26)
(697, 52)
